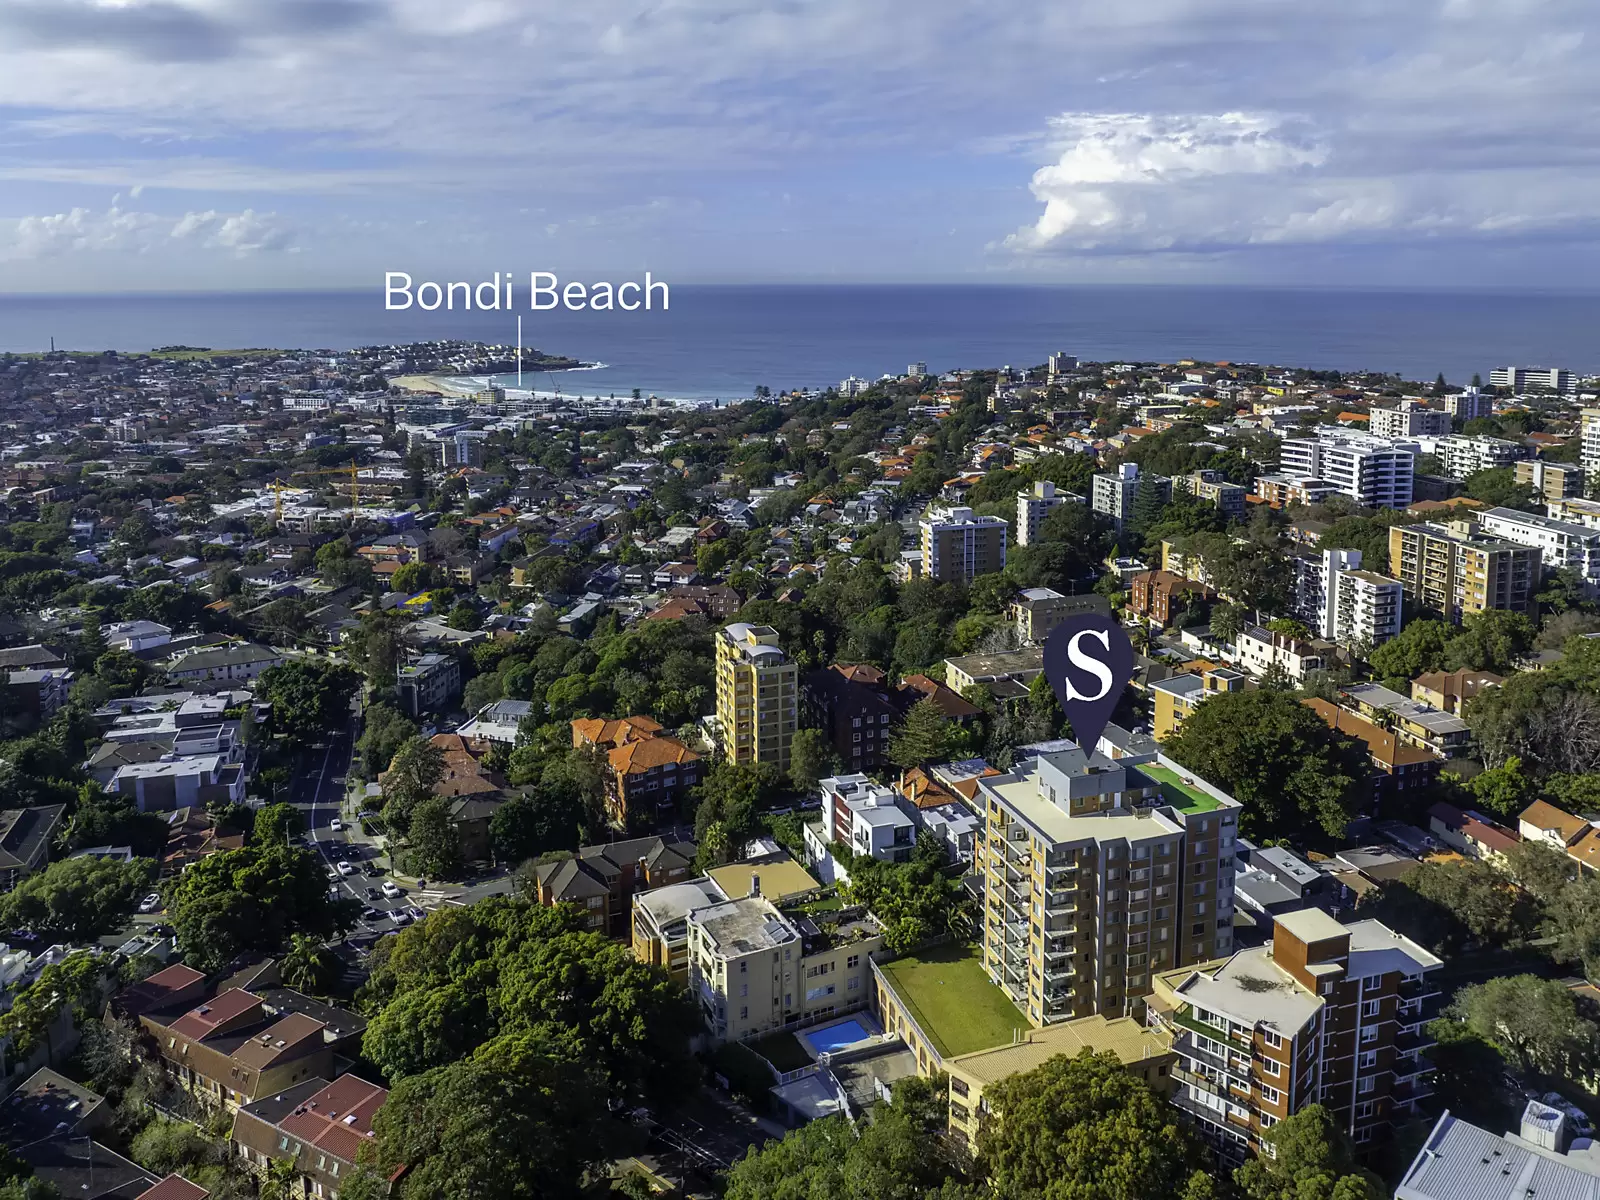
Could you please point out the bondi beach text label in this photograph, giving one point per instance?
(545, 291)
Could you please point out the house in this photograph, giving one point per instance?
(242, 661)
(1470, 833)
(174, 781)
(497, 723)
(1259, 650)
(1544, 822)
(25, 837)
(603, 879)
(870, 820)
(318, 1127)
(192, 836)
(134, 636)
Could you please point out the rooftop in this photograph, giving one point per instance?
(1180, 791)
(1126, 1037)
(946, 992)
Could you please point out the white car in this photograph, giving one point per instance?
(336, 825)
(150, 903)
(345, 868)
(389, 889)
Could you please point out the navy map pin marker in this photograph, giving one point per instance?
(1088, 660)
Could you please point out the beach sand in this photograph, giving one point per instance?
(429, 383)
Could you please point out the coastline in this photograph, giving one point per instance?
(445, 384)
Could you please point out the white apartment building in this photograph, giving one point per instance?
(1035, 504)
(1258, 650)
(1578, 511)
(1466, 405)
(1526, 379)
(1589, 455)
(1113, 492)
(1464, 456)
(1408, 419)
(1343, 603)
(867, 817)
(1562, 543)
(1374, 472)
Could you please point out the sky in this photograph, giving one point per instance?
(220, 144)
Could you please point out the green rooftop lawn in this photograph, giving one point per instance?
(952, 1000)
(1182, 796)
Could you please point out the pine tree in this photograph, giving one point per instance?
(922, 737)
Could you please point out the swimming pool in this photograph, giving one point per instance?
(827, 1038)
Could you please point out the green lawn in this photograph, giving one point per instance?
(949, 996)
(1182, 796)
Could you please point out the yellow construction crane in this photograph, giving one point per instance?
(353, 471)
(277, 489)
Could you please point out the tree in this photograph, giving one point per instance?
(252, 900)
(812, 758)
(1534, 1022)
(1289, 627)
(1498, 488)
(1289, 770)
(1503, 791)
(1491, 640)
(1420, 646)
(1228, 621)
(386, 729)
(922, 736)
(413, 577)
(1081, 1127)
(432, 839)
(308, 966)
(77, 899)
(112, 820)
(1467, 1074)
(417, 765)
(1443, 904)
(1310, 1160)
(278, 823)
(464, 615)
(308, 698)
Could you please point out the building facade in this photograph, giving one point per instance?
(1456, 571)
(758, 696)
(429, 684)
(1097, 874)
(1112, 493)
(1213, 488)
(1463, 456)
(958, 545)
(1551, 481)
(1343, 603)
(1034, 505)
(1408, 419)
(1560, 543)
(1527, 379)
(1374, 472)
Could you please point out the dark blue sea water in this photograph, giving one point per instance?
(723, 341)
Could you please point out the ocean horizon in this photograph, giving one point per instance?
(722, 341)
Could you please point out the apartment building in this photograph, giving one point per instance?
(1179, 696)
(1325, 1014)
(1469, 403)
(1399, 767)
(661, 923)
(1343, 603)
(1259, 650)
(1158, 596)
(852, 704)
(1035, 504)
(1560, 543)
(758, 694)
(752, 969)
(170, 782)
(1451, 691)
(868, 818)
(1527, 379)
(1419, 724)
(602, 880)
(1575, 509)
(1097, 873)
(958, 545)
(1455, 570)
(1374, 472)
(1589, 439)
(1213, 488)
(1551, 481)
(648, 773)
(1408, 419)
(430, 684)
(316, 1126)
(1462, 456)
(1280, 491)
(1112, 492)
(1036, 611)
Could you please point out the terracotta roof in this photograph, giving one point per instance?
(174, 1187)
(205, 1019)
(599, 732)
(950, 702)
(338, 1119)
(1490, 837)
(859, 672)
(1384, 746)
(263, 1049)
(675, 610)
(1587, 849)
(633, 757)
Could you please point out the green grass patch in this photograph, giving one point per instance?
(1182, 796)
(952, 1000)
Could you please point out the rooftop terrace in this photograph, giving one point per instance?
(1185, 797)
(952, 1000)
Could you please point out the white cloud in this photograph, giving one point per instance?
(119, 230)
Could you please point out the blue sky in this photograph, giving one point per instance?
(152, 144)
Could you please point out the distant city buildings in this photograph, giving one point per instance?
(1528, 379)
(1560, 543)
(1409, 419)
(1374, 472)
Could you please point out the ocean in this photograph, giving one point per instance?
(721, 342)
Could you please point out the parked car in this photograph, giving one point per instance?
(150, 903)
(390, 889)
(374, 870)
(373, 914)
(336, 825)
(417, 914)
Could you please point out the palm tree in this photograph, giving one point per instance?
(309, 966)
